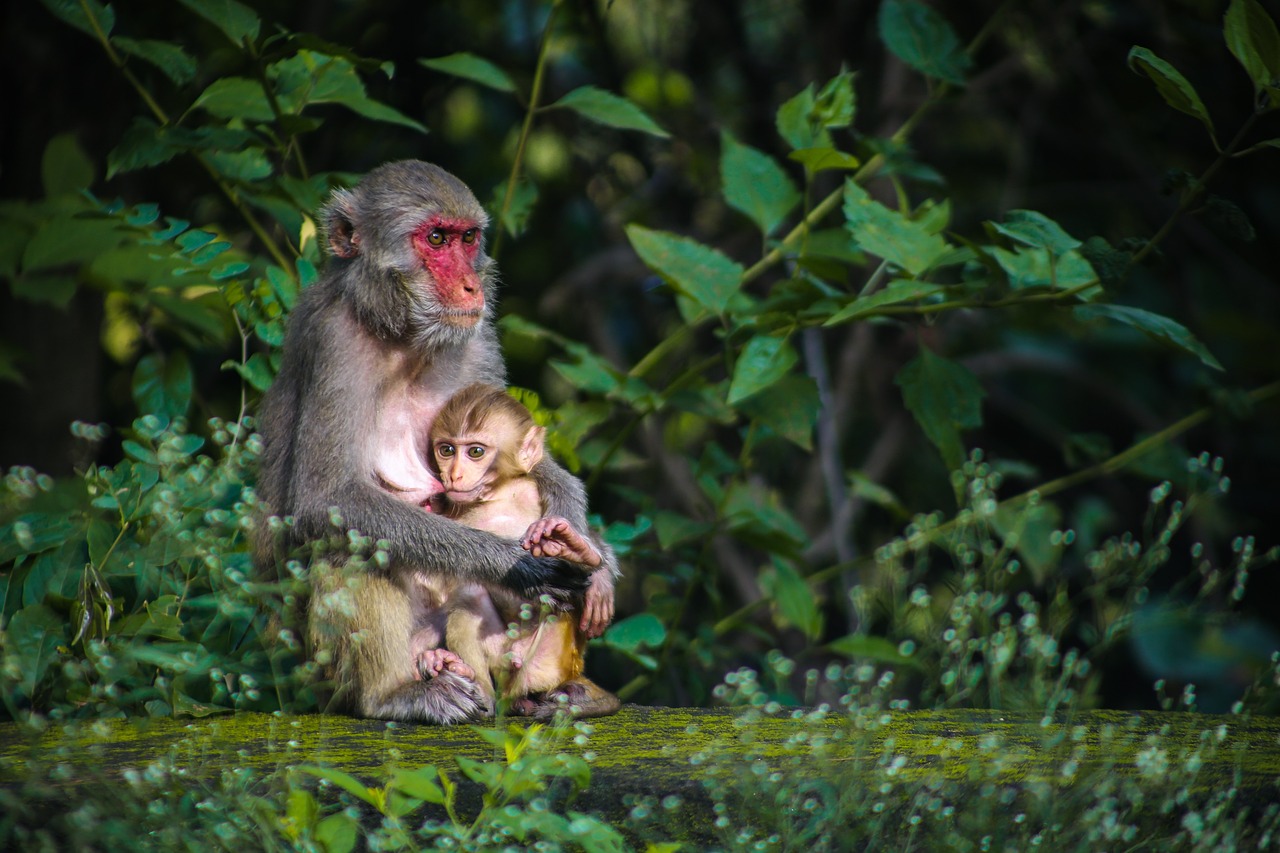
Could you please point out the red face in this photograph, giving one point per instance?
(448, 248)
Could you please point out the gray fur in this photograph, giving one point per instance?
(366, 325)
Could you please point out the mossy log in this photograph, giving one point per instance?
(699, 757)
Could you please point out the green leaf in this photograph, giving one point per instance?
(789, 407)
(515, 217)
(794, 122)
(673, 529)
(162, 385)
(346, 782)
(878, 649)
(339, 833)
(317, 78)
(817, 160)
(610, 110)
(419, 784)
(237, 21)
(763, 361)
(699, 272)
(471, 67)
(1172, 86)
(897, 291)
(65, 168)
(83, 14)
(795, 601)
(1253, 39)
(755, 184)
(923, 39)
(34, 634)
(256, 371)
(235, 98)
(1037, 230)
(1153, 325)
(68, 242)
(890, 235)
(945, 398)
(1038, 268)
(1028, 530)
(241, 166)
(641, 631)
(170, 58)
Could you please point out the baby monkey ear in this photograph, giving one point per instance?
(531, 448)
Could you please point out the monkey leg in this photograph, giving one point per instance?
(477, 634)
(374, 664)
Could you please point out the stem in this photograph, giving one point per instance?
(539, 72)
(1193, 195)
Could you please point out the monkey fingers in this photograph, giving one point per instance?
(554, 536)
(432, 662)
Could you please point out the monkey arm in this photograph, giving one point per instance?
(563, 494)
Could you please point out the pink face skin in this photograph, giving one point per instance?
(448, 248)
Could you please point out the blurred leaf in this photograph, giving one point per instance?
(317, 78)
(1153, 325)
(65, 168)
(241, 166)
(237, 21)
(862, 486)
(878, 649)
(610, 110)
(1172, 86)
(700, 272)
(1253, 39)
(763, 361)
(795, 601)
(821, 159)
(162, 384)
(673, 529)
(83, 15)
(795, 125)
(923, 39)
(515, 217)
(1028, 530)
(346, 782)
(70, 241)
(1040, 268)
(890, 235)
(170, 58)
(34, 634)
(945, 398)
(419, 783)
(755, 184)
(256, 371)
(790, 407)
(473, 68)
(641, 631)
(339, 833)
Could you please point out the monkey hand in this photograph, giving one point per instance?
(597, 609)
(432, 662)
(534, 577)
(554, 536)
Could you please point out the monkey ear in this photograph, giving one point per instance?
(531, 447)
(340, 225)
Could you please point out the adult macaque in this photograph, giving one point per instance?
(400, 320)
(486, 446)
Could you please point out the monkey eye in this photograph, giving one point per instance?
(475, 451)
(469, 236)
(436, 237)
(445, 450)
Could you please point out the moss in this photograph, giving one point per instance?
(711, 760)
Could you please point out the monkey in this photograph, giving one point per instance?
(400, 319)
(485, 446)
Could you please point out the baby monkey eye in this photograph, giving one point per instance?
(469, 236)
(445, 451)
(436, 237)
(475, 452)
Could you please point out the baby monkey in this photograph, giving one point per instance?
(485, 445)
